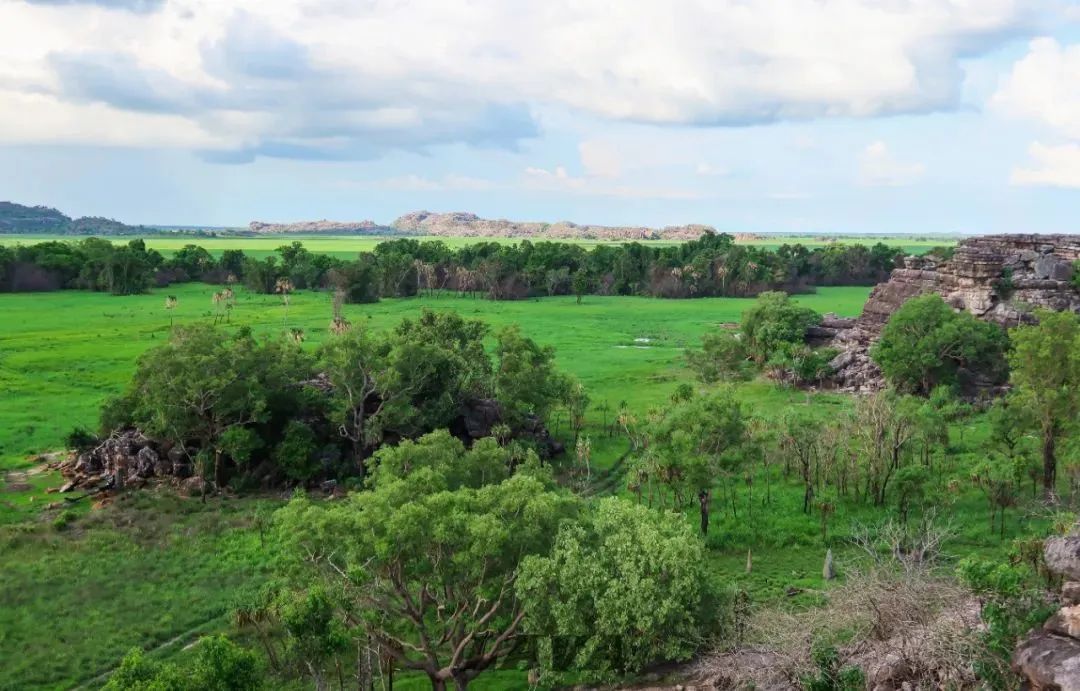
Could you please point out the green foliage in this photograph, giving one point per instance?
(1012, 606)
(773, 322)
(1045, 362)
(204, 387)
(926, 344)
(831, 675)
(624, 588)
(723, 357)
(295, 453)
(526, 379)
(412, 558)
(219, 665)
(64, 519)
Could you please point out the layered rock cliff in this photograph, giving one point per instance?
(999, 278)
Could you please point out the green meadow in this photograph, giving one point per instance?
(348, 246)
(82, 585)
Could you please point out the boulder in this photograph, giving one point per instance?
(1062, 555)
(1070, 593)
(1066, 622)
(192, 487)
(1049, 662)
(146, 460)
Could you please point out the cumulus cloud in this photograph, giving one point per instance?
(331, 79)
(1053, 166)
(1043, 87)
(879, 168)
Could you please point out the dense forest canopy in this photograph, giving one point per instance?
(713, 265)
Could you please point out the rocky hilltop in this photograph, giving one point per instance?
(999, 278)
(320, 227)
(463, 224)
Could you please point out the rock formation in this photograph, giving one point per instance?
(320, 227)
(999, 278)
(462, 224)
(1049, 658)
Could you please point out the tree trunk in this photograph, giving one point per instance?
(1049, 461)
(704, 497)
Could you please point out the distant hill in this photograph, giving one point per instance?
(16, 218)
(19, 219)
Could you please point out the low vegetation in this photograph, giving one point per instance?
(692, 506)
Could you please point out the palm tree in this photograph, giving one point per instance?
(170, 305)
(284, 287)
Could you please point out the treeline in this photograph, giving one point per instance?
(711, 266)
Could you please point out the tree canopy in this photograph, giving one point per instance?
(926, 344)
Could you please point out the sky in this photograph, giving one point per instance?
(787, 116)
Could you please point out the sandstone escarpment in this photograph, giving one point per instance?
(320, 227)
(999, 278)
(462, 224)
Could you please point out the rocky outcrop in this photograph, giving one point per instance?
(999, 278)
(1048, 659)
(124, 458)
(462, 224)
(320, 227)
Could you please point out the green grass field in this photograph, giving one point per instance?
(347, 247)
(156, 571)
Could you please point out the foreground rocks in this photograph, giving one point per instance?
(998, 278)
(1049, 658)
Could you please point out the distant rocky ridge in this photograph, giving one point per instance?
(462, 224)
(20, 219)
(998, 278)
(320, 227)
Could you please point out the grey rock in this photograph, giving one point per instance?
(1048, 662)
(1062, 555)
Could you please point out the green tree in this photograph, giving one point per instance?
(774, 320)
(722, 357)
(702, 442)
(526, 379)
(218, 665)
(428, 572)
(622, 589)
(926, 344)
(203, 386)
(1045, 364)
(580, 284)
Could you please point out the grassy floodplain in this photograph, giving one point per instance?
(347, 246)
(157, 571)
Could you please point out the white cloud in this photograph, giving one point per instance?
(1053, 166)
(558, 180)
(331, 79)
(709, 170)
(1044, 86)
(600, 158)
(878, 168)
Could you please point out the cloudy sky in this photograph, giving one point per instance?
(750, 115)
